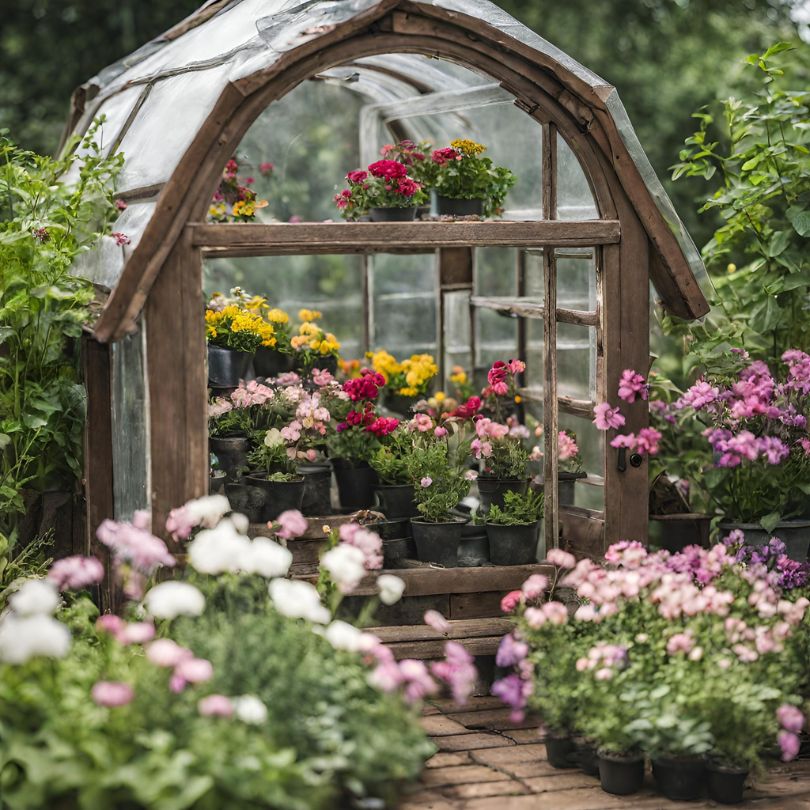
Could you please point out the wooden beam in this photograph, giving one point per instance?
(427, 650)
(253, 239)
(460, 628)
(523, 308)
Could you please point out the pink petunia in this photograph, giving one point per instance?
(607, 418)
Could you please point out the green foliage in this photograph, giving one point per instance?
(45, 225)
(757, 156)
(508, 459)
(447, 482)
(518, 509)
(391, 461)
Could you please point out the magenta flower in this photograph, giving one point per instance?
(632, 385)
(510, 602)
(789, 743)
(627, 440)
(75, 573)
(457, 671)
(607, 418)
(790, 718)
(513, 692)
(647, 441)
(121, 239)
(112, 694)
(698, 396)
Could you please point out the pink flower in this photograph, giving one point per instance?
(358, 176)
(790, 718)
(110, 623)
(180, 523)
(121, 205)
(291, 524)
(322, 377)
(566, 446)
(426, 482)
(511, 651)
(631, 385)
(215, 706)
(136, 633)
(266, 168)
(789, 743)
(368, 542)
(647, 442)
(457, 671)
(112, 694)
(680, 642)
(166, 653)
(511, 601)
(440, 432)
(421, 422)
(560, 558)
(121, 239)
(416, 679)
(534, 587)
(75, 573)
(698, 396)
(434, 619)
(191, 670)
(627, 440)
(607, 418)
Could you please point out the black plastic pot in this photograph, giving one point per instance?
(396, 500)
(681, 779)
(473, 551)
(587, 758)
(675, 532)
(216, 482)
(726, 783)
(561, 751)
(492, 490)
(231, 453)
(226, 367)
(513, 545)
(279, 496)
(355, 482)
(393, 214)
(449, 207)
(437, 542)
(620, 775)
(246, 499)
(398, 404)
(317, 500)
(269, 362)
(795, 534)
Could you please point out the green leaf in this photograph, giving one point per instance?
(769, 521)
(799, 219)
(5, 441)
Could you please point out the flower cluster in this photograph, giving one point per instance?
(235, 200)
(385, 184)
(409, 378)
(235, 327)
(632, 386)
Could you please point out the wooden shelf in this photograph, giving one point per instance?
(254, 239)
(525, 308)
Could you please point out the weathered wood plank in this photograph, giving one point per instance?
(487, 645)
(476, 605)
(530, 309)
(252, 239)
(473, 628)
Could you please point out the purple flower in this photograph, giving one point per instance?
(775, 450)
(513, 692)
(698, 396)
(511, 651)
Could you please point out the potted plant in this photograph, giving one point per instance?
(270, 361)
(227, 437)
(234, 334)
(273, 470)
(468, 184)
(234, 200)
(404, 381)
(385, 192)
(439, 483)
(313, 347)
(390, 462)
(514, 528)
(569, 464)
(503, 459)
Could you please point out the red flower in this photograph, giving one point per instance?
(442, 156)
(390, 169)
(231, 168)
(357, 176)
(364, 387)
(121, 205)
(120, 238)
(344, 198)
(266, 168)
(382, 426)
(408, 187)
(469, 409)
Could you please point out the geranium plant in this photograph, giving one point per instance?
(386, 184)
(463, 173)
(416, 156)
(500, 450)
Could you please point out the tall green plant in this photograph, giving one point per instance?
(758, 155)
(44, 224)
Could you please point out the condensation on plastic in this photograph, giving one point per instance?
(104, 262)
(130, 425)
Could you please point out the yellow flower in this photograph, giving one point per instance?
(458, 376)
(277, 316)
(408, 392)
(440, 396)
(732, 268)
(467, 147)
(298, 341)
(238, 207)
(309, 314)
(518, 399)
(384, 363)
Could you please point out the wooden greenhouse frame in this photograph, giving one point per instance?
(157, 299)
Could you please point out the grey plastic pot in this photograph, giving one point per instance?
(795, 534)
(438, 542)
(355, 483)
(226, 367)
(396, 500)
(492, 490)
(450, 207)
(269, 362)
(393, 214)
(246, 499)
(473, 551)
(513, 545)
(231, 453)
(279, 496)
(317, 500)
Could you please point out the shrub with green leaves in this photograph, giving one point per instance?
(519, 509)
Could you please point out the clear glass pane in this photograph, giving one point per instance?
(495, 335)
(591, 444)
(574, 197)
(576, 281)
(534, 285)
(576, 361)
(457, 324)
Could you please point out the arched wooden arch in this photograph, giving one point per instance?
(164, 273)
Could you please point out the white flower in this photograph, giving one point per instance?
(35, 597)
(249, 709)
(171, 599)
(346, 565)
(215, 551)
(298, 600)
(240, 522)
(273, 438)
(208, 510)
(391, 588)
(22, 638)
(344, 636)
(266, 558)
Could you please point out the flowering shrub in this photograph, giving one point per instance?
(386, 184)
(680, 654)
(416, 156)
(409, 378)
(462, 173)
(235, 200)
(500, 449)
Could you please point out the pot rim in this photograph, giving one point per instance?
(794, 523)
(495, 479)
(393, 486)
(251, 476)
(226, 349)
(467, 199)
(612, 756)
(514, 525)
(227, 438)
(717, 766)
(697, 760)
(454, 522)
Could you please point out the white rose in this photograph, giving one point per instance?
(215, 551)
(240, 522)
(267, 558)
(345, 564)
(22, 638)
(208, 510)
(298, 600)
(391, 588)
(249, 709)
(171, 599)
(273, 438)
(35, 597)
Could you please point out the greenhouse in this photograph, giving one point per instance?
(411, 452)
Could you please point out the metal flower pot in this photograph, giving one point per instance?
(393, 214)
(226, 367)
(449, 207)
(795, 534)
(513, 545)
(231, 453)
(279, 496)
(437, 542)
(396, 500)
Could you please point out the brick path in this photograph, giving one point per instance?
(485, 762)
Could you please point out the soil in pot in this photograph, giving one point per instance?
(231, 453)
(437, 542)
(726, 783)
(492, 490)
(795, 534)
(355, 483)
(396, 500)
(620, 775)
(246, 499)
(226, 367)
(393, 214)
(680, 779)
(561, 751)
(269, 362)
(317, 500)
(279, 496)
(587, 758)
(449, 207)
(513, 545)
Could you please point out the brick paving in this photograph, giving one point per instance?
(485, 762)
